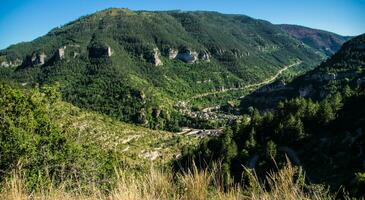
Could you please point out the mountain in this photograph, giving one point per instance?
(318, 126)
(325, 42)
(344, 69)
(136, 65)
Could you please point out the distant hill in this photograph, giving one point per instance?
(135, 65)
(324, 41)
(344, 69)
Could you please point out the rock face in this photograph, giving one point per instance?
(60, 53)
(156, 57)
(4, 64)
(188, 56)
(109, 52)
(38, 59)
(15, 63)
(173, 53)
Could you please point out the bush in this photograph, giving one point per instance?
(29, 140)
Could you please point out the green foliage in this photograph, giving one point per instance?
(343, 72)
(304, 131)
(30, 141)
(271, 149)
(242, 50)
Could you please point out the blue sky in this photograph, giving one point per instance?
(25, 20)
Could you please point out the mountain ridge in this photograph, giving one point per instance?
(324, 41)
(131, 64)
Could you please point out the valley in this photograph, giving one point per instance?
(125, 104)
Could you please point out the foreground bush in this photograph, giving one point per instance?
(43, 151)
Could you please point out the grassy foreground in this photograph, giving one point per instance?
(192, 185)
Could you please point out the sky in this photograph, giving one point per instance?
(25, 20)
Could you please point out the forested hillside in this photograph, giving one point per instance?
(343, 71)
(320, 128)
(136, 65)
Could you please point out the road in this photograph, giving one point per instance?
(267, 81)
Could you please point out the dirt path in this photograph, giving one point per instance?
(250, 85)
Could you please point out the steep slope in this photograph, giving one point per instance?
(135, 65)
(325, 42)
(345, 68)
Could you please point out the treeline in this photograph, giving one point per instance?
(325, 137)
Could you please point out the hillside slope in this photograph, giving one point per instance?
(342, 70)
(325, 42)
(135, 65)
(319, 125)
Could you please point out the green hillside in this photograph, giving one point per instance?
(320, 128)
(136, 65)
(51, 141)
(343, 71)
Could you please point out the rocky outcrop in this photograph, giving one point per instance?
(109, 52)
(189, 56)
(4, 64)
(60, 53)
(173, 53)
(156, 57)
(15, 63)
(37, 59)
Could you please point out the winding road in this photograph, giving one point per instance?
(271, 79)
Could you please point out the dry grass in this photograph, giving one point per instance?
(192, 185)
(285, 185)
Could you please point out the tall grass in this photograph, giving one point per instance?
(191, 185)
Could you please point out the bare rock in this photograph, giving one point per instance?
(4, 64)
(38, 59)
(109, 51)
(156, 57)
(15, 63)
(188, 56)
(173, 53)
(60, 53)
